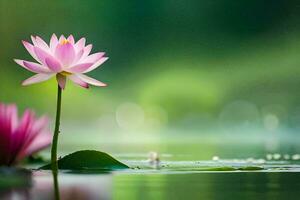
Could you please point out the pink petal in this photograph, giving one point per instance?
(79, 68)
(53, 42)
(71, 39)
(53, 64)
(36, 137)
(94, 57)
(78, 81)
(20, 139)
(30, 48)
(41, 124)
(42, 55)
(8, 117)
(37, 78)
(21, 134)
(8, 124)
(61, 79)
(80, 44)
(37, 126)
(87, 51)
(84, 53)
(65, 53)
(36, 67)
(78, 55)
(33, 40)
(31, 66)
(91, 81)
(40, 142)
(97, 64)
(41, 43)
(12, 116)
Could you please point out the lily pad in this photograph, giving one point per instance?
(250, 168)
(88, 160)
(222, 168)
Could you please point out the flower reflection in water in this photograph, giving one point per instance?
(71, 186)
(15, 183)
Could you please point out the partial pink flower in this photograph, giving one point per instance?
(22, 137)
(64, 58)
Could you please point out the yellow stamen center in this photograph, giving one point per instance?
(64, 41)
(64, 73)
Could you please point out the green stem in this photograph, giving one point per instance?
(54, 164)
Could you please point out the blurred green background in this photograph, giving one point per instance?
(195, 70)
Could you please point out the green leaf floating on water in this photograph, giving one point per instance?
(250, 168)
(88, 160)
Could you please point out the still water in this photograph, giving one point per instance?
(186, 171)
(184, 180)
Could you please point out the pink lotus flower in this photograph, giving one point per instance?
(63, 58)
(21, 137)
